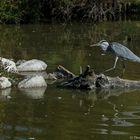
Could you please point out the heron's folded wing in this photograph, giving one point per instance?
(124, 52)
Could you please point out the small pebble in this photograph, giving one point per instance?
(103, 115)
(102, 54)
(19, 43)
(59, 98)
(89, 54)
(31, 138)
(85, 113)
(9, 97)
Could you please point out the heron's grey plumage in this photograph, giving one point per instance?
(122, 52)
(119, 51)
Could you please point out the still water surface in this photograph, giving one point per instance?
(64, 114)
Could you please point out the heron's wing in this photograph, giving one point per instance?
(123, 52)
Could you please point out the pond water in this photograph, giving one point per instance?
(66, 114)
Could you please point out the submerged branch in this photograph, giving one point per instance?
(89, 80)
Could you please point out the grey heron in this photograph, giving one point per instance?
(119, 51)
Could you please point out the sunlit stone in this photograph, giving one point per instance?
(8, 65)
(32, 65)
(4, 83)
(31, 82)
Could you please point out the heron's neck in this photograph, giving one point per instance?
(109, 49)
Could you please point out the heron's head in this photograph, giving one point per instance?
(103, 44)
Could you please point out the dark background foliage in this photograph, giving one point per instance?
(31, 11)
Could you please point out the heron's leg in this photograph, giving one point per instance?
(116, 59)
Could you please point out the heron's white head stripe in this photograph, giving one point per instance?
(104, 45)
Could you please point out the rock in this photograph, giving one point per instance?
(4, 83)
(32, 65)
(19, 62)
(32, 82)
(8, 65)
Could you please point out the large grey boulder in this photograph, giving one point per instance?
(32, 82)
(32, 65)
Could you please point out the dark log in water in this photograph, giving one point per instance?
(89, 80)
(62, 72)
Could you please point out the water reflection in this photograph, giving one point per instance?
(131, 115)
(5, 94)
(103, 94)
(34, 93)
(117, 118)
(98, 112)
(55, 113)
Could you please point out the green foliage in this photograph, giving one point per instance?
(30, 11)
(9, 11)
(17, 11)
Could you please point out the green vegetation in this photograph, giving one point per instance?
(31, 11)
(18, 11)
(9, 11)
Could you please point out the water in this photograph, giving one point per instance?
(60, 114)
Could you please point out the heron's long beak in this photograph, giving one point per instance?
(97, 44)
